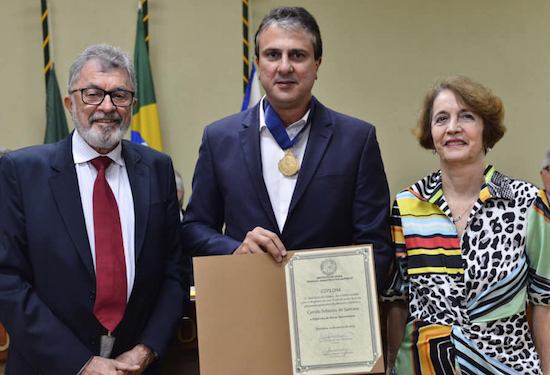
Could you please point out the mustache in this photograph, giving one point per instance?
(289, 77)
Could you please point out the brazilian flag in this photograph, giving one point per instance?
(145, 122)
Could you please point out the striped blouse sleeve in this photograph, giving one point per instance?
(538, 250)
(396, 288)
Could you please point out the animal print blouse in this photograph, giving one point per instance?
(467, 297)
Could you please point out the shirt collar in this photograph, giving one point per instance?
(495, 185)
(83, 152)
(292, 129)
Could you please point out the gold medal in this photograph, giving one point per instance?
(289, 165)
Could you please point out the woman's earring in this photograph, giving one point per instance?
(487, 149)
(434, 152)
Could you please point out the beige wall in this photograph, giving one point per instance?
(379, 59)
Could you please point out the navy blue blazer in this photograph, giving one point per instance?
(47, 278)
(341, 195)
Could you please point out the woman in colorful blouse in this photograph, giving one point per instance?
(472, 246)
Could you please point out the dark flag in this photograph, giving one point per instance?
(56, 125)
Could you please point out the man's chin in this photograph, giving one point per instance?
(104, 143)
(104, 139)
(105, 128)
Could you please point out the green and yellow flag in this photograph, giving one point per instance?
(145, 123)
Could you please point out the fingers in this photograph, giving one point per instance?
(261, 240)
(140, 354)
(104, 366)
(122, 366)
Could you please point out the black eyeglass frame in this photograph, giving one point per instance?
(547, 169)
(105, 93)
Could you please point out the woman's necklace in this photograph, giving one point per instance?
(455, 219)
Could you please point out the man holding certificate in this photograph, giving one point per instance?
(289, 173)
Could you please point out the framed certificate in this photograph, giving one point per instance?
(333, 311)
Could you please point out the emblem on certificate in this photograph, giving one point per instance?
(289, 165)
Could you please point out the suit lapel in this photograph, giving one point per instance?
(319, 138)
(138, 174)
(250, 144)
(64, 185)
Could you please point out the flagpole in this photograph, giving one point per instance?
(46, 40)
(145, 11)
(251, 85)
(246, 63)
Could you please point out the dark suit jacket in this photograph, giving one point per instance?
(47, 279)
(341, 195)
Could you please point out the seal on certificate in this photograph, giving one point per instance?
(329, 267)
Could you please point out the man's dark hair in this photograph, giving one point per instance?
(292, 18)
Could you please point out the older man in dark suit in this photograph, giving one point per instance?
(289, 173)
(92, 279)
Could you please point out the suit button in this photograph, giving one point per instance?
(92, 294)
(92, 340)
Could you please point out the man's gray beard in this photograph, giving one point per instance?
(100, 137)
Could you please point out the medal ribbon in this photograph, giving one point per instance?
(277, 128)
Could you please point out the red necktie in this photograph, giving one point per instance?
(111, 284)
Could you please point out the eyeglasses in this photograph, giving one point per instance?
(547, 169)
(95, 96)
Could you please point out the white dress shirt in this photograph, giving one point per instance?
(280, 187)
(117, 178)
